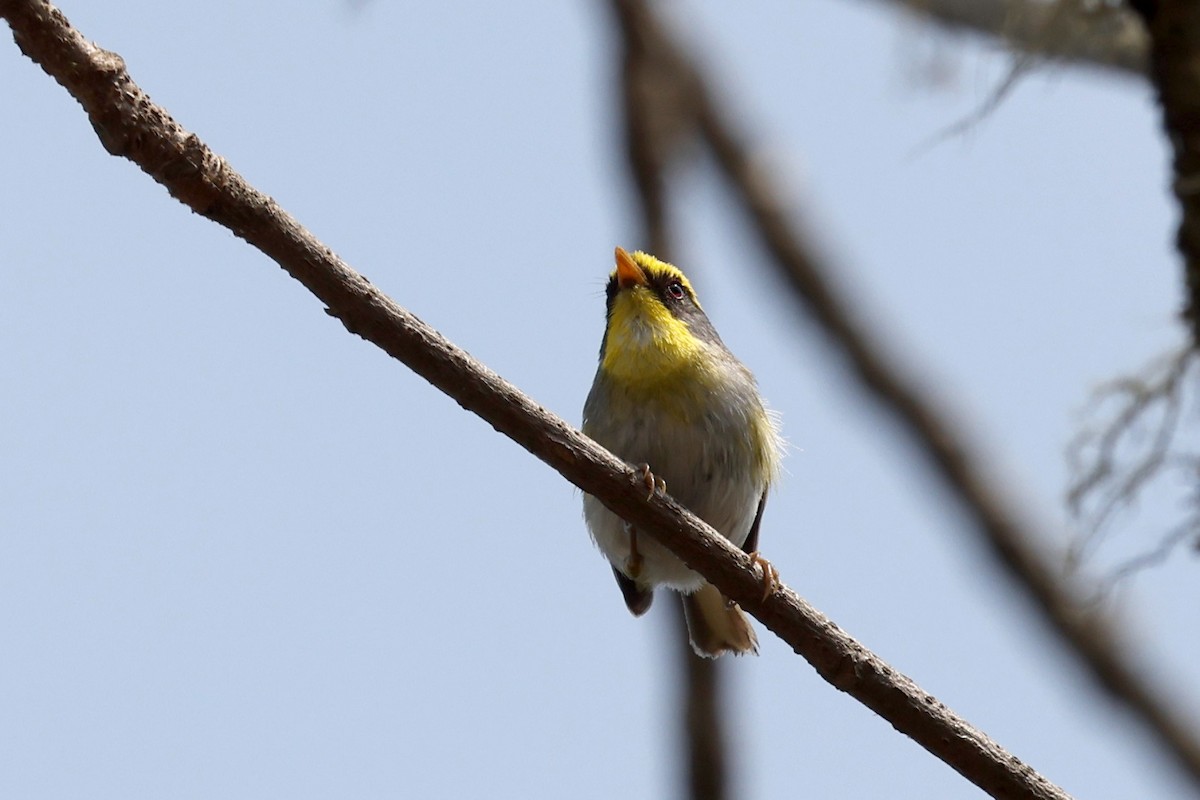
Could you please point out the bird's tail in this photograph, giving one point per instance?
(716, 625)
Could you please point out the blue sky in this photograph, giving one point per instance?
(244, 554)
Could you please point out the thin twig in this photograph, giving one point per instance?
(1181, 533)
(1023, 64)
(129, 124)
(1080, 32)
(1091, 638)
(1102, 485)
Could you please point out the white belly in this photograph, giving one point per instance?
(707, 468)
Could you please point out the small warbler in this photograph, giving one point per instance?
(670, 397)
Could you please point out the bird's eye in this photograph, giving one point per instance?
(675, 289)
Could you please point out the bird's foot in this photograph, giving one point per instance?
(652, 481)
(770, 575)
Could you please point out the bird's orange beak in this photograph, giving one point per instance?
(628, 272)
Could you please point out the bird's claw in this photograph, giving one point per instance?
(652, 482)
(635, 560)
(770, 575)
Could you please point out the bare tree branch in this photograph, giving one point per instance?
(704, 734)
(1081, 32)
(1135, 441)
(656, 117)
(1089, 636)
(129, 124)
(1113, 461)
(1174, 27)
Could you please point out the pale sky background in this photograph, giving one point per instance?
(243, 554)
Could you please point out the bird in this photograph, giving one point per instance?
(670, 399)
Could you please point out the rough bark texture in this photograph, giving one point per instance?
(130, 125)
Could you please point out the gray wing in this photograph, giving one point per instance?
(751, 543)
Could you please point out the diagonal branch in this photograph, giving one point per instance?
(1094, 641)
(129, 124)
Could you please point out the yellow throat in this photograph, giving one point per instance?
(645, 344)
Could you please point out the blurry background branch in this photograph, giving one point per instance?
(1174, 27)
(1145, 419)
(130, 125)
(1015, 544)
(1116, 459)
(655, 120)
(1096, 33)
(1133, 440)
(1156, 38)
